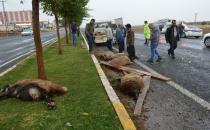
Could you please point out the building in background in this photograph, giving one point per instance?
(15, 20)
(16, 17)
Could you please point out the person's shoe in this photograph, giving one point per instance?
(159, 59)
(169, 53)
(173, 57)
(150, 61)
(135, 57)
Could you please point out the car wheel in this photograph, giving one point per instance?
(197, 37)
(207, 42)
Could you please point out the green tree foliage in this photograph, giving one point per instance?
(74, 10)
(52, 7)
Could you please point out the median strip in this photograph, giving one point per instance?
(123, 115)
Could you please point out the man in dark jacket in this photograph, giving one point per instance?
(120, 38)
(130, 42)
(74, 32)
(172, 37)
(89, 30)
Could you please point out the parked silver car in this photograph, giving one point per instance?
(206, 40)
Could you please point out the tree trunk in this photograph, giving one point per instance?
(67, 34)
(37, 40)
(58, 34)
(70, 31)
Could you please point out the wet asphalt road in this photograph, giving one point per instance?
(168, 108)
(191, 68)
(16, 46)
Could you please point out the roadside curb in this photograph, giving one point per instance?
(123, 115)
(28, 54)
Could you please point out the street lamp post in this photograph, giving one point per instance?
(196, 15)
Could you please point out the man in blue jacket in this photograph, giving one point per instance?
(74, 32)
(120, 38)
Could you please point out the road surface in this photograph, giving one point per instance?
(13, 48)
(170, 109)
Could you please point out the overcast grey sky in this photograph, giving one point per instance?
(136, 11)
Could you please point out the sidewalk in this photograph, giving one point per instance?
(85, 107)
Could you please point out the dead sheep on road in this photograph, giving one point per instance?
(120, 61)
(105, 55)
(131, 85)
(33, 90)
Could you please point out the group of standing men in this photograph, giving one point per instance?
(122, 33)
(152, 34)
(127, 33)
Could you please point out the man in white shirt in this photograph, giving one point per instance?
(109, 35)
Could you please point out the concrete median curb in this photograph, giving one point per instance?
(123, 115)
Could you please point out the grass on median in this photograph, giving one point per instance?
(85, 107)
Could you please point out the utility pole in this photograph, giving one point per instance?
(196, 15)
(5, 15)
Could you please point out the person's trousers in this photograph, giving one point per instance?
(131, 51)
(153, 49)
(74, 39)
(109, 44)
(90, 42)
(146, 41)
(121, 45)
(173, 46)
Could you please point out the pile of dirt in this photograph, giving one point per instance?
(131, 85)
(120, 61)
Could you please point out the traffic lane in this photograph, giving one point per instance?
(23, 49)
(191, 67)
(168, 109)
(16, 40)
(13, 50)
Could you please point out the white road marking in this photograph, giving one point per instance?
(19, 57)
(27, 40)
(16, 58)
(10, 51)
(178, 87)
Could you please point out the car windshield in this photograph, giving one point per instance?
(27, 30)
(101, 25)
